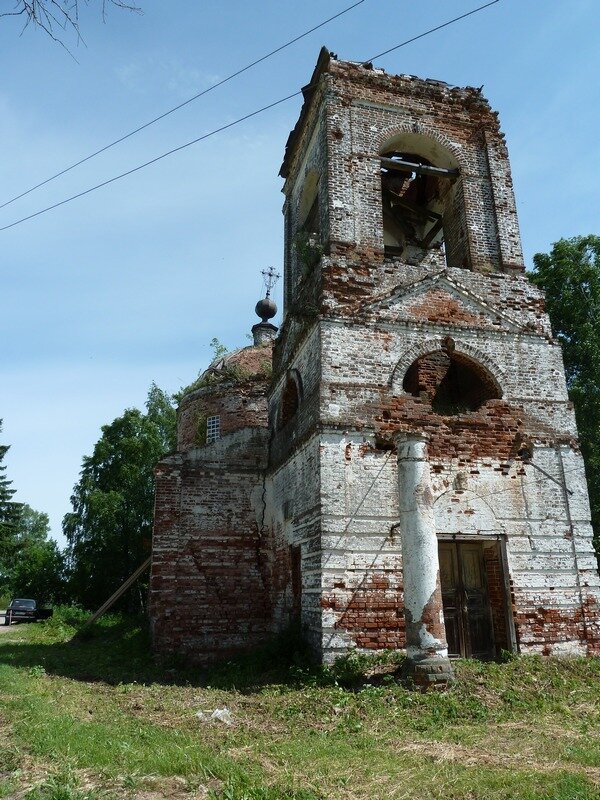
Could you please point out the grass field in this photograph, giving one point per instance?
(99, 719)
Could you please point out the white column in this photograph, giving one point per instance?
(426, 645)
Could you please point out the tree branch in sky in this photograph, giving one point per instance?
(54, 15)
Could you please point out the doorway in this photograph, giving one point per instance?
(469, 611)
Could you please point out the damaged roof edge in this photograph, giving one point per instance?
(307, 92)
(322, 66)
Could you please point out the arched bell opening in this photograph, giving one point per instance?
(422, 200)
(451, 383)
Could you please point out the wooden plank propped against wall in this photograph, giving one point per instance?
(120, 591)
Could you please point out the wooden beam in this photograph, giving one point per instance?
(420, 169)
(120, 591)
(399, 222)
(421, 212)
(433, 232)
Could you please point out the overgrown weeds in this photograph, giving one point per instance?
(130, 727)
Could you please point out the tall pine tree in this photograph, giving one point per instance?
(10, 512)
(10, 515)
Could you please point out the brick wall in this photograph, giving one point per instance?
(300, 514)
(212, 586)
(236, 392)
(366, 111)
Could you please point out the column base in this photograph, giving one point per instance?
(434, 672)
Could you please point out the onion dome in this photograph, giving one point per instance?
(264, 332)
(265, 309)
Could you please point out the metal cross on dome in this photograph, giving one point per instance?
(270, 277)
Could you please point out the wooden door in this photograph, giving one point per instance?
(467, 611)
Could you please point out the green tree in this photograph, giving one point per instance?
(110, 528)
(218, 348)
(37, 567)
(10, 514)
(31, 565)
(161, 411)
(33, 526)
(570, 276)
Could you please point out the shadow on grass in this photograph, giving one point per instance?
(119, 651)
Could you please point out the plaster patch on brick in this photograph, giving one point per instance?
(302, 516)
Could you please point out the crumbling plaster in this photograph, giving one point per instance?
(332, 486)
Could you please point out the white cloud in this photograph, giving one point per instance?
(147, 74)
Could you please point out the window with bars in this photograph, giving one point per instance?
(213, 429)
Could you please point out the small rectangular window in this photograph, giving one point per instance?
(213, 429)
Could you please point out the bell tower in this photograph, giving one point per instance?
(396, 168)
(397, 466)
(414, 361)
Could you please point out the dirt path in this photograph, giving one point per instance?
(3, 627)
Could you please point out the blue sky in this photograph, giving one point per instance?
(128, 285)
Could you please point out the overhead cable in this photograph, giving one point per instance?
(431, 30)
(185, 103)
(223, 127)
(152, 161)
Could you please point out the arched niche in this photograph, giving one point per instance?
(425, 346)
(450, 382)
(291, 397)
(422, 199)
(309, 219)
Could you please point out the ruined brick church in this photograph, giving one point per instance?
(397, 466)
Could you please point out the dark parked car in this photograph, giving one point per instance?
(22, 610)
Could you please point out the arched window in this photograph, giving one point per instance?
(303, 234)
(309, 217)
(451, 383)
(422, 201)
(290, 397)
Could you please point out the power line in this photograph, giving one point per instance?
(185, 103)
(431, 30)
(152, 161)
(222, 128)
